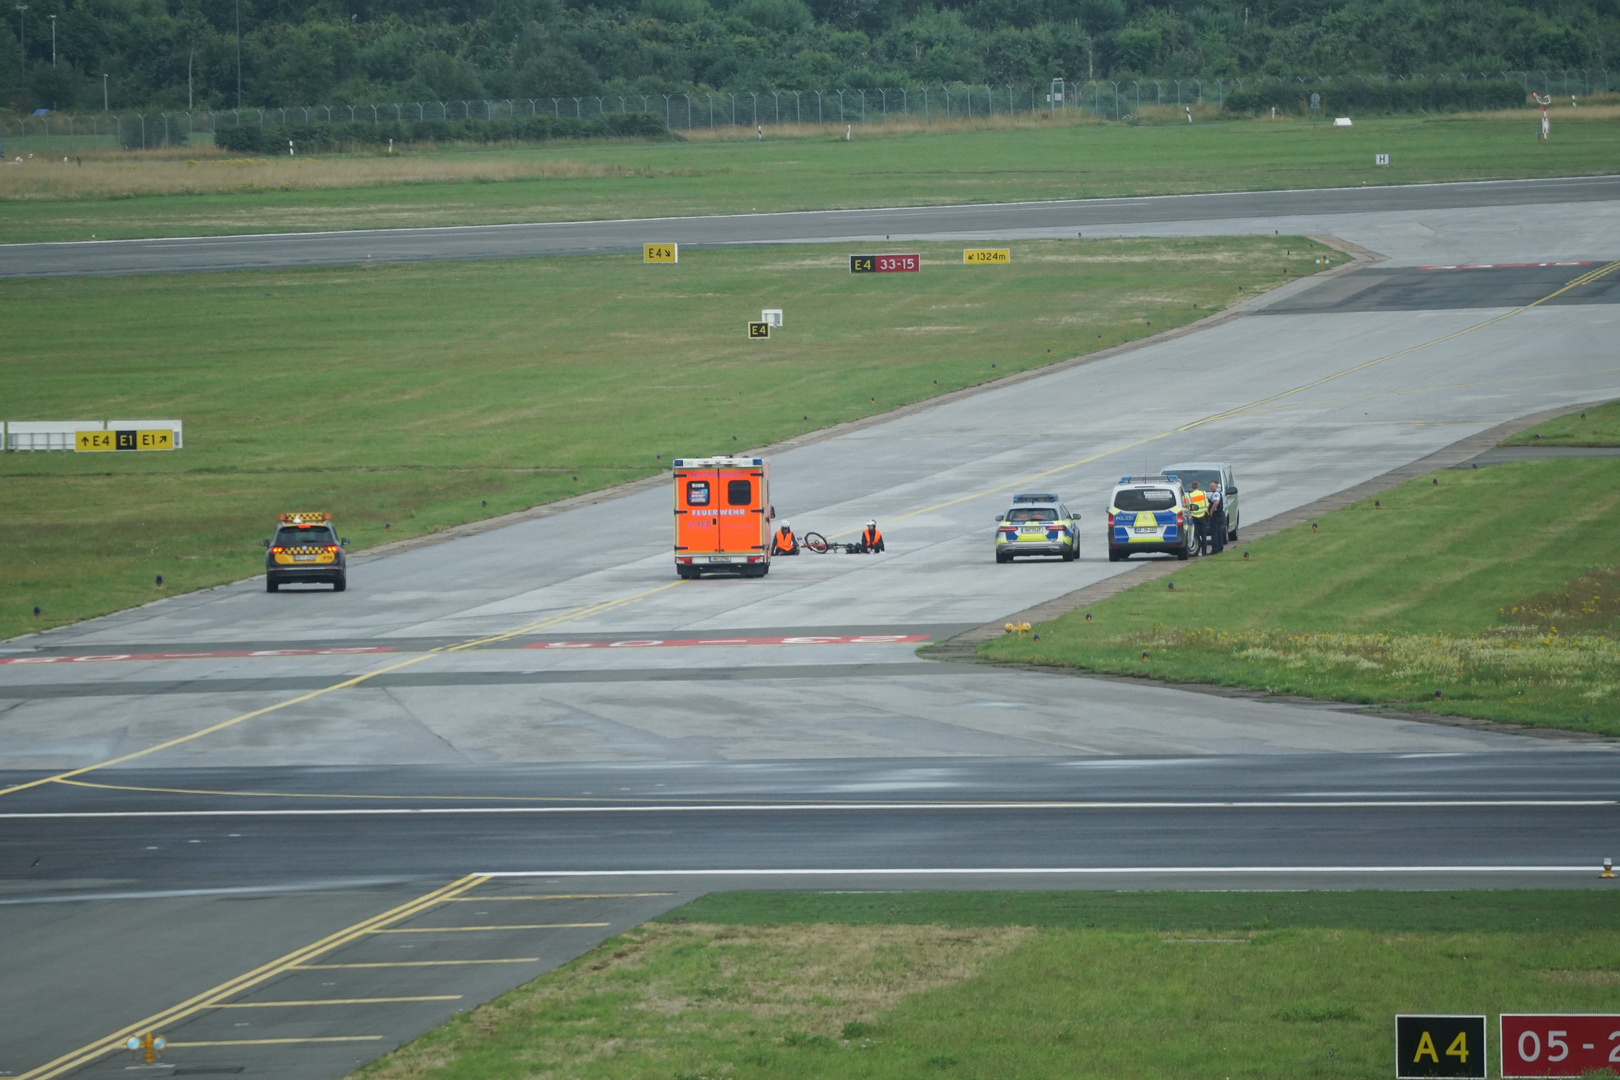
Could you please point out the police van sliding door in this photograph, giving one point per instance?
(697, 525)
(737, 500)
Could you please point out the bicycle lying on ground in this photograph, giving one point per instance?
(814, 541)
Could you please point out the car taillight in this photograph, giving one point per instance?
(277, 550)
(332, 548)
(1181, 521)
(1110, 522)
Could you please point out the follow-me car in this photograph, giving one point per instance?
(305, 549)
(1037, 524)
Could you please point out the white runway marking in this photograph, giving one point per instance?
(710, 808)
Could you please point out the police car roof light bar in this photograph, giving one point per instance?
(1150, 479)
(1034, 498)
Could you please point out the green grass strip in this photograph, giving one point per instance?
(988, 985)
(877, 167)
(1456, 593)
(1430, 912)
(1597, 426)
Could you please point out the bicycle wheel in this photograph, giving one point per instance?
(815, 542)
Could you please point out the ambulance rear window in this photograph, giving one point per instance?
(739, 493)
(1145, 499)
(697, 493)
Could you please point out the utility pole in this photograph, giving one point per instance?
(190, 56)
(53, 41)
(104, 93)
(238, 54)
(22, 27)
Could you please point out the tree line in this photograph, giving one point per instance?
(201, 54)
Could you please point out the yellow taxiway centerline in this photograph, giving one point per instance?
(209, 999)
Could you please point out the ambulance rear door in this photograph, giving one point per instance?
(740, 505)
(697, 524)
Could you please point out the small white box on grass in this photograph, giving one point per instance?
(772, 316)
(1342, 121)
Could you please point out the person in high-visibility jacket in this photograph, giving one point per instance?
(1198, 510)
(871, 541)
(784, 542)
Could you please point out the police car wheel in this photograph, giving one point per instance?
(1000, 558)
(270, 585)
(1071, 554)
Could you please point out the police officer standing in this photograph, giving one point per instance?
(1216, 528)
(1198, 508)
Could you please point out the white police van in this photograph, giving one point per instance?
(1206, 473)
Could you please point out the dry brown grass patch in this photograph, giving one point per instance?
(807, 979)
(90, 176)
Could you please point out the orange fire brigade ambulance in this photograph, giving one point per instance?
(722, 516)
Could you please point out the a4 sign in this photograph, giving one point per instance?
(1533, 1045)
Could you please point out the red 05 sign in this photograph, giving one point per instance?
(1567, 1044)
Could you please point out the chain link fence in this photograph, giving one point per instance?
(520, 118)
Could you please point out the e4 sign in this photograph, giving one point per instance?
(1439, 1046)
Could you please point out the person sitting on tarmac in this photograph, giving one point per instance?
(871, 541)
(784, 542)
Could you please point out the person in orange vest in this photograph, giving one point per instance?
(871, 541)
(784, 542)
(1198, 508)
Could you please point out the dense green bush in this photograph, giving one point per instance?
(250, 138)
(1376, 96)
(173, 55)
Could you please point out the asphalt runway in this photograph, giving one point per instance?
(1402, 217)
(1439, 288)
(206, 776)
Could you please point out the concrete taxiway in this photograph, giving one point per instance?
(527, 701)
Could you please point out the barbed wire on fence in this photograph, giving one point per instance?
(1105, 98)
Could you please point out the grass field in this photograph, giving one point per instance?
(1488, 595)
(1598, 426)
(412, 395)
(159, 194)
(1031, 985)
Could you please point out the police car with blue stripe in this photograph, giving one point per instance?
(1037, 524)
(1149, 513)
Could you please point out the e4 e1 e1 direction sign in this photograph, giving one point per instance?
(661, 253)
(759, 329)
(1560, 1044)
(987, 255)
(88, 442)
(1439, 1046)
(885, 264)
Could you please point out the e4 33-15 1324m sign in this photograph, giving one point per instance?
(885, 264)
